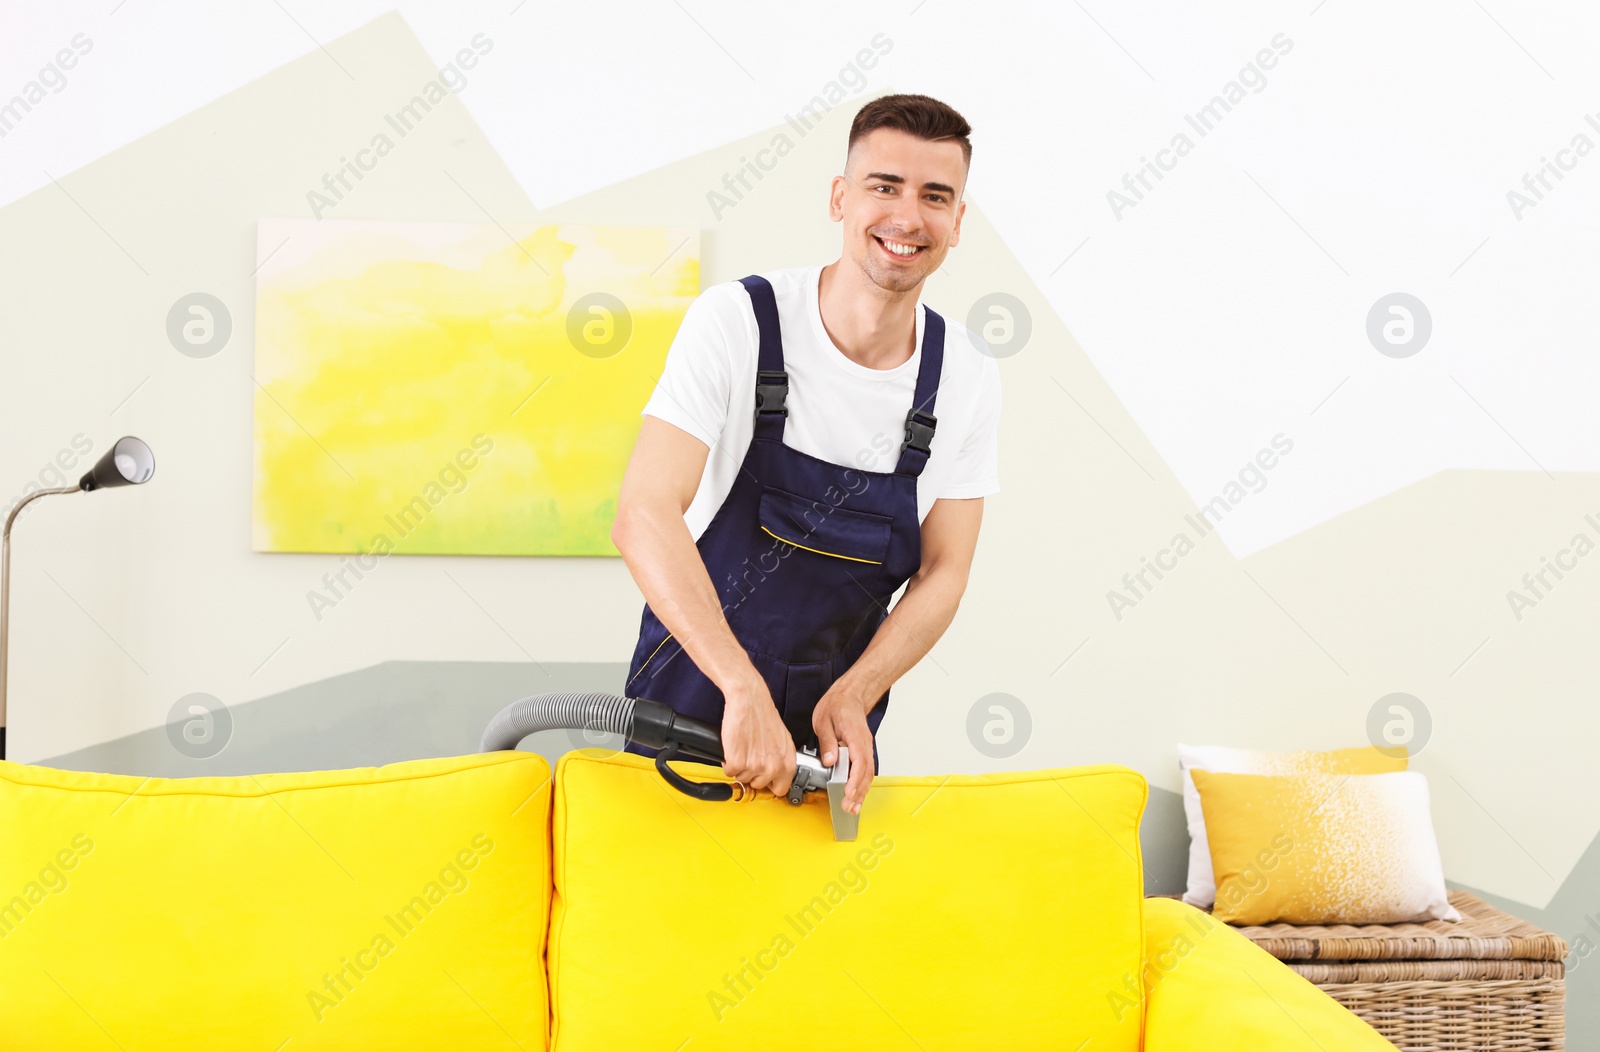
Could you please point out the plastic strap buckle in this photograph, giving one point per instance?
(771, 389)
(919, 429)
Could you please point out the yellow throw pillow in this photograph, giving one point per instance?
(394, 907)
(1368, 759)
(1323, 849)
(990, 911)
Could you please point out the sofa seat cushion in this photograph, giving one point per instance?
(1210, 989)
(396, 907)
(973, 911)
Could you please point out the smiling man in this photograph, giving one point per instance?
(818, 438)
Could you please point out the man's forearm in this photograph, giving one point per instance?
(912, 627)
(661, 554)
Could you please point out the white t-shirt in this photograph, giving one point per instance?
(839, 411)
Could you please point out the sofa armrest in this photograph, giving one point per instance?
(1208, 987)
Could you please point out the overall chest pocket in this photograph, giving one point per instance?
(820, 527)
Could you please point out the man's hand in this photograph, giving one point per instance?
(841, 719)
(757, 748)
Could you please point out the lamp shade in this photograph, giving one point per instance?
(128, 462)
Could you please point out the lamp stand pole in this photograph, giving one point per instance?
(5, 595)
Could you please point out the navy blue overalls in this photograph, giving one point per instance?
(805, 554)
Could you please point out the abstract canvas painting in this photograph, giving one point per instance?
(455, 388)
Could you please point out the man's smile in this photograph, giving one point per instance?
(899, 249)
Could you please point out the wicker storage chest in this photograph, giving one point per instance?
(1489, 982)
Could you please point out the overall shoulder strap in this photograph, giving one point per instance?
(920, 421)
(772, 383)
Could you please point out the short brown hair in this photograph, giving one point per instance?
(919, 115)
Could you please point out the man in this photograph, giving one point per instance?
(791, 473)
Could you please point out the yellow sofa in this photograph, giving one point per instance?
(474, 902)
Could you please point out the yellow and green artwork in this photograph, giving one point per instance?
(455, 388)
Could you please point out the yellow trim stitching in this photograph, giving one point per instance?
(651, 658)
(819, 551)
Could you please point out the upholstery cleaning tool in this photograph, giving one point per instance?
(656, 726)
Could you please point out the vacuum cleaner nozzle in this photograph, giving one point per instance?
(657, 726)
(845, 823)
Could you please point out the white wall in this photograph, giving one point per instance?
(1173, 339)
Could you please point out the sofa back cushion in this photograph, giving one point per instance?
(973, 911)
(396, 907)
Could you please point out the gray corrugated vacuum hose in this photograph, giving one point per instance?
(559, 710)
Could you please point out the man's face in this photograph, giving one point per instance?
(899, 191)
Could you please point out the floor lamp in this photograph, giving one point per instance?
(128, 462)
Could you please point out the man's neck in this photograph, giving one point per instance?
(871, 326)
